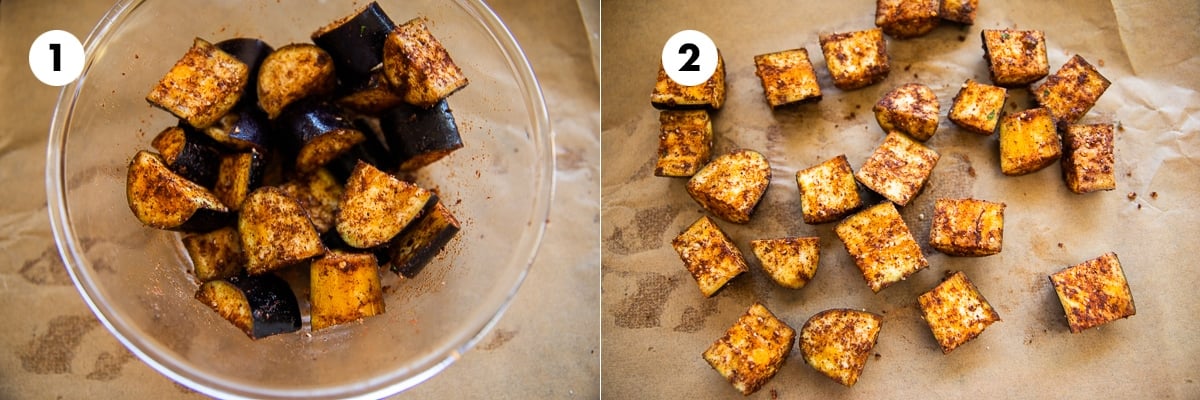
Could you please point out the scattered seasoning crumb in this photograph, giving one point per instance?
(916, 75)
(858, 106)
(135, 56)
(1101, 62)
(1060, 245)
(878, 356)
(971, 170)
(774, 394)
(1139, 206)
(1120, 127)
(1131, 195)
(1154, 195)
(851, 116)
(907, 67)
(962, 38)
(1128, 174)
(921, 216)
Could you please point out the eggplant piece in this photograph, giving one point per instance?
(260, 306)
(162, 199)
(294, 72)
(316, 132)
(319, 194)
(418, 66)
(376, 206)
(373, 95)
(418, 137)
(202, 86)
(356, 41)
(239, 174)
(190, 154)
(275, 231)
(371, 151)
(251, 52)
(344, 287)
(244, 128)
(216, 255)
(412, 249)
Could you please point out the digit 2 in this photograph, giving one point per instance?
(689, 48)
(57, 48)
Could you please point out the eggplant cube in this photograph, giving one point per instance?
(240, 173)
(294, 72)
(252, 52)
(260, 306)
(319, 132)
(911, 108)
(1088, 161)
(960, 11)
(1028, 142)
(162, 199)
(244, 128)
(202, 86)
(189, 153)
(356, 41)
(787, 77)
(344, 287)
(372, 96)
(967, 227)
(856, 59)
(684, 142)
(752, 350)
(420, 136)
(827, 191)
(216, 254)
(956, 312)
(320, 195)
(669, 95)
(1071, 91)
(1094, 292)
(276, 231)
(417, 64)
(978, 106)
(376, 207)
(731, 185)
(413, 248)
(898, 168)
(903, 19)
(791, 262)
(881, 245)
(838, 342)
(1015, 57)
(709, 255)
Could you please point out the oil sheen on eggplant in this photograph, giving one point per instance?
(356, 42)
(417, 136)
(316, 132)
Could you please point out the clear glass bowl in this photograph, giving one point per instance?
(135, 278)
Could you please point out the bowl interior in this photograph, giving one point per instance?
(136, 278)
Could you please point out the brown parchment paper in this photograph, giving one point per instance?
(656, 323)
(545, 346)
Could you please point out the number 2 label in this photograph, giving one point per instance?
(689, 57)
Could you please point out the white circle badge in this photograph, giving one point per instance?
(689, 57)
(56, 58)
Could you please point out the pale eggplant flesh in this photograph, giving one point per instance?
(252, 52)
(162, 199)
(260, 306)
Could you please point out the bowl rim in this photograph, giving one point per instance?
(541, 137)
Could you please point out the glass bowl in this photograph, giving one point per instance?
(136, 279)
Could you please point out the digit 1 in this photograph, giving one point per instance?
(56, 48)
(694, 51)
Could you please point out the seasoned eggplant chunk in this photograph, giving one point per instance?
(371, 151)
(856, 59)
(275, 231)
(752, 350)
(260, 306)
(294, 72)
(787, 77)
(376, 206)
(684, 142)
(911, 108)
(162, 199)
(216, 254)
(418, 137)
(837, 343)
(244, 128)
(417, 65)
(202, 86)
(317, 132)
(240, 173)
(882, 246)
(423, 239)
(956, 312)
(251, 52)
(731, 185)
(319, 194)
(709, 255)
(1015, 57)
(356, 41)
(1088, 163)
(372, 96)
(1072, 91)
(344, 287)
(669, 95)
(904, 19)
(189, 154)
(1094, 292)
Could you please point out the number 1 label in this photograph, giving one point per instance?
(56, 58)
(689, 57)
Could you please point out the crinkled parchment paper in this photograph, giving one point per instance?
(656, 323)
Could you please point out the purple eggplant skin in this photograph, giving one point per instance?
(356, 42)
(371, 151)
(315, 132)
(189, 153)
(273, 305)
(244, 128)
(252, 52)
(418, 137)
